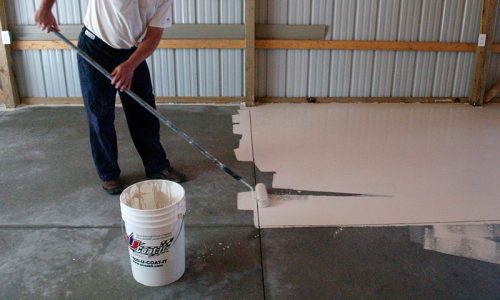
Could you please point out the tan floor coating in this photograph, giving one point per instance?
(420, 163)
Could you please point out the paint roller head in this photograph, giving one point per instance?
(261, 195)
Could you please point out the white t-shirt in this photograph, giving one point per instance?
(122, 24)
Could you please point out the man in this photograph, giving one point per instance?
(120, 35)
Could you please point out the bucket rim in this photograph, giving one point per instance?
(181, 199)
(161, 223)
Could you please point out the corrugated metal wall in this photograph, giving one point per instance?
(494, 72)
(53, 73)
(289, 73)
(317, 73)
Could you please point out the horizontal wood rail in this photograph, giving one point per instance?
(362, 100)
(237, 100)
(161, 100)
(284, 44)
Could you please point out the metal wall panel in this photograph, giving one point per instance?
(494, 72)
(29, 71)
(53, 72)
(261, 14)
(387, 30)
(404, 66)
(186, 66)
(83, 7)
(342, 28)
(340, 79)
(162, 64)
(447, 62)
(363, 61)
(497, 26)
(47, 73)
(466, 61)
(463, 75)
(472, 16)
(261, 73)
(184, 72)
(68, 12)
(73, 88)
(63, 64)
(299, 12)
(20, 12)
(319, 60)
(292, 73)
(232, 61)
(207, 12)
(276, 73)
(425, 64)
(27, 64)
(277, 13)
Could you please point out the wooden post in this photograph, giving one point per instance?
(250, 52)
(8, 85)
(480, 77)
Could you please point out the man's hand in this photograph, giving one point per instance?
(44, 17)
(122, 76)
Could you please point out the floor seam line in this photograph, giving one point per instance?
(257, 209)
(2, 227)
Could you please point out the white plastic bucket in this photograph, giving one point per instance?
(153, 212)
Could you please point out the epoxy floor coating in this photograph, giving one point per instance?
(390, 164)
(60, 234)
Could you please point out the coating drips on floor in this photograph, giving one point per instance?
(481, 242)
(427, 163)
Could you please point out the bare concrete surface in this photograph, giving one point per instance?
(47, 167)
(60, 234)
(368, 263)
(94, 264)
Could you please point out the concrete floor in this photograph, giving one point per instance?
(60, 235)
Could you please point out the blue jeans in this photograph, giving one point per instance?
(99, 99)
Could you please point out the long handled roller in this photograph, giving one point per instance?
(260, 191)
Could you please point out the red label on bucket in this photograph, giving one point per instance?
(141, 247)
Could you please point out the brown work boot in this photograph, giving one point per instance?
(112, 187)
(168, 174)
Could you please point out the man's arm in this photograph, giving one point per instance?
(44, 17)
(123, 74)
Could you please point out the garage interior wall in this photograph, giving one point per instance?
(494, 65)
(339, 73)
(179, 72)
(288, 73)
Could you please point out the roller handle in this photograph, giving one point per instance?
(231, 173)
(153, 111)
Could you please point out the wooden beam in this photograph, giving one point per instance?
(200, 100)
(8, 84)
(480, 76)
(164, 44)
(159, 100)
(40, 45)
(362, 100)
(366, 45)
(238, 100)
(283, 44)
(250, 52)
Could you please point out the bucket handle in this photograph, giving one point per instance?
(124, 233)
(178, 233)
